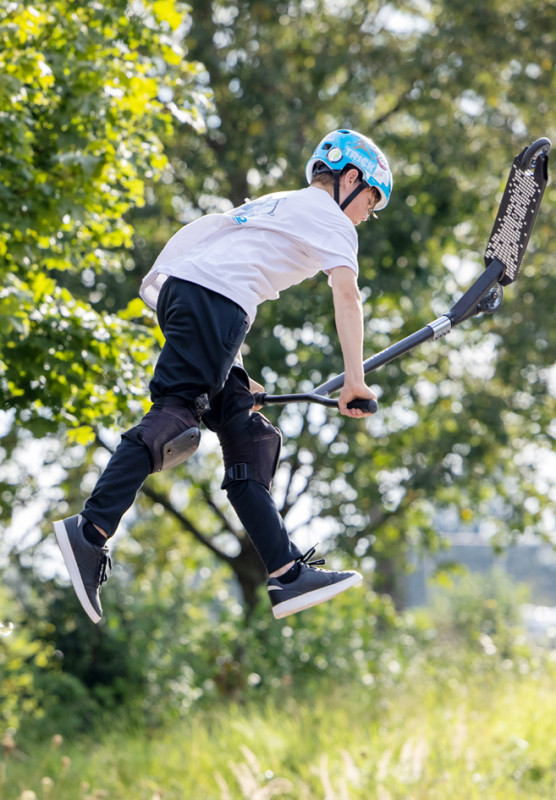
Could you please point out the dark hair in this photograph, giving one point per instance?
(323, 175)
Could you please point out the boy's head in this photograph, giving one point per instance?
(338, 155)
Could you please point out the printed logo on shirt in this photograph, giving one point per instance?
(266, 205)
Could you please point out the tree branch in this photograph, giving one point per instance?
(158, 497)
(218, 511)
(186, 523)
(294, 466)
(394, 110)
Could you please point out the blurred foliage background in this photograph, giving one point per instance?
(120, 122)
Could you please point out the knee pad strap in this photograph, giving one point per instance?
(251, 448)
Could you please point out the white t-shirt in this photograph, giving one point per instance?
(253, 252)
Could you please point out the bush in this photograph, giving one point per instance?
(24, 655)
(175, 637)
(482, 612)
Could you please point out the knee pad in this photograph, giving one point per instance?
(251, 448)
(170, 432)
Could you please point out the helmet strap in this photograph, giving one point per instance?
(337, 187)
(350, 197)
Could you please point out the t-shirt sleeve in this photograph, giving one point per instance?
(338, 247)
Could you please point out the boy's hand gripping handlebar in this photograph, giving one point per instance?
(262, 398)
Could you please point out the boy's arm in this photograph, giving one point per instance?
(348, 312)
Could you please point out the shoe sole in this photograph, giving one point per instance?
(75, 576)
(314, 598)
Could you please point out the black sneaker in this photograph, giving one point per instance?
(87, 563)
(311, 587)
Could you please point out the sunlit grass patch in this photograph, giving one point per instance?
(478, 736)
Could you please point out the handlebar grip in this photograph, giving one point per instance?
(365, 405)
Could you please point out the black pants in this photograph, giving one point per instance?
(203, 332)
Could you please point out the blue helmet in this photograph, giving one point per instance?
(344, 148)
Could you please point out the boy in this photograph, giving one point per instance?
(205, 286)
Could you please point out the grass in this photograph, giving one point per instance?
(434, 734)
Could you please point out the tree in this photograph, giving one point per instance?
(87, 96)
(451, 93)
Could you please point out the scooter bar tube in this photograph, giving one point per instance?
(262, 398)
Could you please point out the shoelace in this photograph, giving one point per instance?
(104, 562)
(305, 558)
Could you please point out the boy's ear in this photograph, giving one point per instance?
(351, 176)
